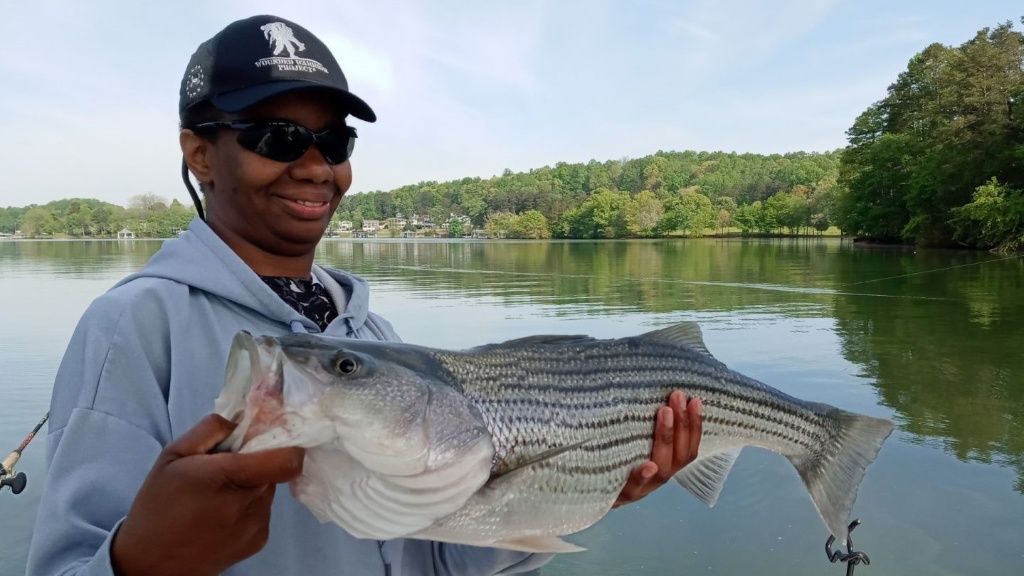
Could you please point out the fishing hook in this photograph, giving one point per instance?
(851, 557)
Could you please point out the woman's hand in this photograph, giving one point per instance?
(200, 513)
(677, 432)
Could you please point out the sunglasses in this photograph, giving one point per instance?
(284, 141)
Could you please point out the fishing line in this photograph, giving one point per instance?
(769, 287)
(937, 270)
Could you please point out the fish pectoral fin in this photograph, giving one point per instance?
(537, 459)
(541, 544)
(685, 333)
(705, 477)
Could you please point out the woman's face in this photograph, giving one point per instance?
(277, 208)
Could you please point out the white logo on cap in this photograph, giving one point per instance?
(282, 39)
(194, 81)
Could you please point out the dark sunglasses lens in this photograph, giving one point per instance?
(278, 142)
(336, 145)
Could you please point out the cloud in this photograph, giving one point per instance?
(699, 33)
(363, 65)
(717, 34)
(460, 88)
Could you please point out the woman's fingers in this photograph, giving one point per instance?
(677, 432)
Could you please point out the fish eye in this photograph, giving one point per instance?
(346, 365)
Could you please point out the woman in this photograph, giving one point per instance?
(132, 486)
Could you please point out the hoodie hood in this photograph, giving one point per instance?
(200, 259)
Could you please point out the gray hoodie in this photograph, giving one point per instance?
(145, 364)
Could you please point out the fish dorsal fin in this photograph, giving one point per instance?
(685, 333)
(539, 340)
(705, 477)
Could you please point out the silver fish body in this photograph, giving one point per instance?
(515, 444)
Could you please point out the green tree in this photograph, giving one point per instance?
(39, 221)
(876, 178)
(993, 219)
(654, 173)
(500, 224)
(602, 215)
(768, 216)
(691, 212)
(945, 127)
(747, 217)
(455, 228)
(643, 213)
(726, 207)
(823, 202)
(102, 220)
(792, 210)
(607, 210)
(9, 218)
(530, 224)
(472, 204)
(79, 221)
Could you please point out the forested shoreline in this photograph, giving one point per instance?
(667, 193)
(938, 161)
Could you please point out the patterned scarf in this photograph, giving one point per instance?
(306, 297)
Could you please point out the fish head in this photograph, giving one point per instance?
(354, 384)
(385, 404)
(252, 395)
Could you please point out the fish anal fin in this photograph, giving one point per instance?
(705, 477)
(684, 333)
(537, 544)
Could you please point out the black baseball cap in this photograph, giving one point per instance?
(253, 59)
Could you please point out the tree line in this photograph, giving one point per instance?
(147, 215)
(940, 159)
(667, 193)
(689, 193)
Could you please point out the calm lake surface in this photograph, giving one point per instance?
(930, 339)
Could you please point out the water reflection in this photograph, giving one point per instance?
(952, 369)
(607, 277)
(73, 258)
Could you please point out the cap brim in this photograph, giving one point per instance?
(238, 100)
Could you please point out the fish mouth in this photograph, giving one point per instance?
(253, 394)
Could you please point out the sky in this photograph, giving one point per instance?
(88, 90)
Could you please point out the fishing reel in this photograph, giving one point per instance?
(15, 481)
(7, 476)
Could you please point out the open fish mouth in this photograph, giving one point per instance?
(253, 395)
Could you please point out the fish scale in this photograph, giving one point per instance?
(497, 382)
(515, 444)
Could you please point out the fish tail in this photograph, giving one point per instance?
(833, 473)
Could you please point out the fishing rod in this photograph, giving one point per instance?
(7, 476)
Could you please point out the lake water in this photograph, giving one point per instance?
(930, 339)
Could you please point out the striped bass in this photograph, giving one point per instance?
(513, 445)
